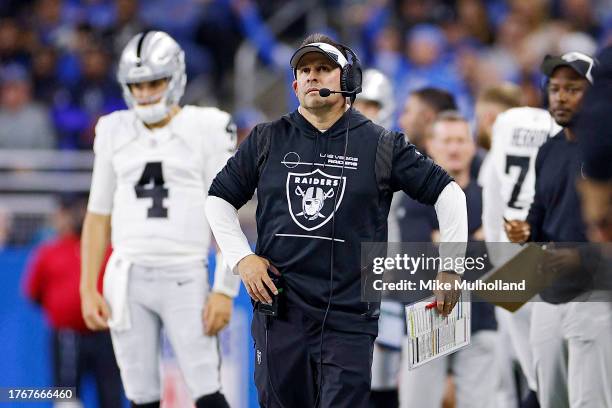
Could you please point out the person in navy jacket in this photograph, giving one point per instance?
(571, 328)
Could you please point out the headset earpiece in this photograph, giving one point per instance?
(351, 75)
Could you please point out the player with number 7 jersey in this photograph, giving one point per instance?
(508, 187)
(508, 177)
(154, 164)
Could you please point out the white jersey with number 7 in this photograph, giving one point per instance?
(508, 174)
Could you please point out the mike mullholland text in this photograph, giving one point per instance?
(406, 285)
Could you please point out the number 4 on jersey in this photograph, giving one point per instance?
(151, 185)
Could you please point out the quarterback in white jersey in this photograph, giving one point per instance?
(153, 166)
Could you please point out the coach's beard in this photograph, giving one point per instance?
(153, 113)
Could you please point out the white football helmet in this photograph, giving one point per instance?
(146, 57)
(376, 87)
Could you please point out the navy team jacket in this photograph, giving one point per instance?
(296, 189)
(555, 214)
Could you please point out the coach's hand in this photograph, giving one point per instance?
(517, 231)
(253, 271)
(447, 299)
(95, 310)
(217, 313)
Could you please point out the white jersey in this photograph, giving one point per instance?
(154, 183)
(508, 173)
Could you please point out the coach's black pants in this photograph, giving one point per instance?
(286, 375)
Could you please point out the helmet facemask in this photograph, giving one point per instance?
(154, 112)
(153, 108)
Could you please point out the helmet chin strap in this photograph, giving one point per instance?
(152, 113)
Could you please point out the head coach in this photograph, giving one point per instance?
(324, 176)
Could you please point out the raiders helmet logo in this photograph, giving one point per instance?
(310, 197)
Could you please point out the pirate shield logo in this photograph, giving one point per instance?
(311, 197)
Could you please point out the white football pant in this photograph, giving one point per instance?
(471, 367)
(172, 298)
(572, 352)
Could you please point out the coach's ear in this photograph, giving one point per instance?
(294, 86)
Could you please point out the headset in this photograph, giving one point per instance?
(351, 77)
(351, 74)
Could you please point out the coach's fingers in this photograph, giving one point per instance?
(448, 305)
(250, 291)
(445, 302)
(268, 282)
(247, 287)
(274, 269)
(263, 292)
(445, 308)
(255, 292)
(440, 299)
(247, 280)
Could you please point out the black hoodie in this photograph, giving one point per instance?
(295, 193)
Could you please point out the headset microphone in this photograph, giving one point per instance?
(325, 92)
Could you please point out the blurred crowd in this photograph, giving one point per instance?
(473, 44)
(57, 57)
